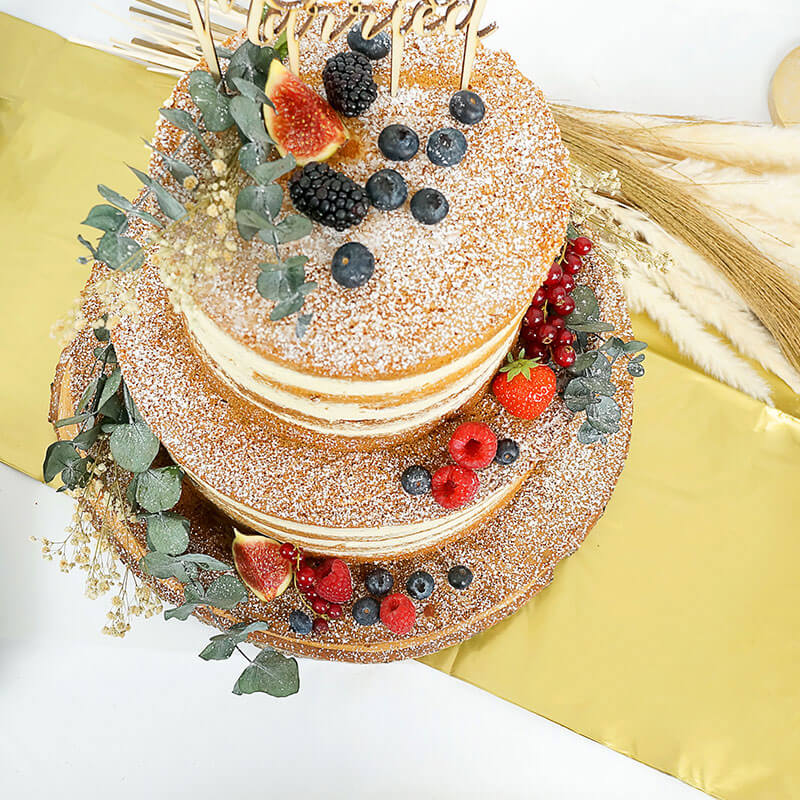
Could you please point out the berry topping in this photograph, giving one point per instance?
(582, 246)
(353, 265)
(447, 147)
(557, 322)
(572, 264)
(374, 48)
(568, 282)
(454, 486)
(429, 206)
(524, 387)
(334, 582)
(320, 625)
(507, 452)
(349, 84)
(473, 445)
(565, 306)
(306, 577)
(288, 551)
(320, 606)
(535, 350)
(366, 611)
(467, 107)
(534, 317)
(459, 577)
(328, 197)
(564, 337)
(546, 334)
(398, 614)
(387, 189)
(556, 293)
(540, 298)
(379, 581)
(398, 142)
(416, 480)
(564, 355)
(420, 585)
(334, 611)
(300, 622)
(554, 275)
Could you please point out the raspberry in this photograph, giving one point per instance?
(473, 445)
(454, 486)
(398, 614)
(334, 582)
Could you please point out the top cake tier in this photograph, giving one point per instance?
(385, 362)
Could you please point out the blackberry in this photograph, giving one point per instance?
(349, 84)
(328, 197)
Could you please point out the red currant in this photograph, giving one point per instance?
(335, 611)
(554, 276)
(287, 551)
(547, 333)
(573, 264)
(534, 317)
(557, 322)
(320, 606)
(564, 355)
(565, 307)
(310, 593)
(306, 577)
(568, 282)
(535, 350)
(319, 625)
(582, 245)
(540, 298)
(555, 294)
(564, 337)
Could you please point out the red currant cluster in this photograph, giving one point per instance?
(544, 331)
(305, 578)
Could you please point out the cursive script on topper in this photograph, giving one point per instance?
(267, 19)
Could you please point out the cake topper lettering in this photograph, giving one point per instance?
(267, 19)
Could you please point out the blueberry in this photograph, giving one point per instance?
(300, 622)
(398, 142)
(420, 585)
(366, 611)
(467, 107)
(353, 265)
(375, 48)
(429, 206)
(446, 147)
(416, 480)
(379, 581)
(459, 577)
(387, 189)
(507, 452)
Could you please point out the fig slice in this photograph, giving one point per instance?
(260, 565)
(302, 123)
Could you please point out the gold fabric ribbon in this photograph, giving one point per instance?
(672, 635)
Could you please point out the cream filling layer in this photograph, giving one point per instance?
(245, 368)
(362, 541)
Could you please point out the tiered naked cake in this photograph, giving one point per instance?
(312, 439)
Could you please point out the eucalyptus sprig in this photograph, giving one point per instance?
(590, 389)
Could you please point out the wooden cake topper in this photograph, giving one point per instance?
(267, 19)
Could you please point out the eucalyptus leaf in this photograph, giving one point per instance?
(106, 218)
(572, 231)
(113, 410)
(134, 446)
(590, 327)
(122, 202)
(269, 285)
(222, 645)
(177, 168)
(303, 321)
(211, 102)
(184, 121)
(583, 362)
(600, 386)
(110, 387)
(604, 415)
(265, 201)
(62, 423)
(285, 308)
(161, 565)
(252, 155)
(635, 369)
(182, 612)
(76, 474)
(88, 393)
(205, 562)
(613, 347)
(89, 246)
(120, 252)
(173, 208)
(633, 346)
(159, 489)
(58, 457)
(87, 438)
(272, 170)
(293, 227)
(251, 62)
(588, 435)
(247, 116)
(586, 305)
(130, 406)
(226, 592)
(270, 672)
(168, 532)
(250, 90)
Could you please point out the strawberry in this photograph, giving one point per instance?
(333, 581)
(473, 445)
(398, 614)
(524, 387)
(453, 487)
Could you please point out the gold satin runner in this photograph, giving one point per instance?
(672, 635)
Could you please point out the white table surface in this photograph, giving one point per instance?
(84, 716)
